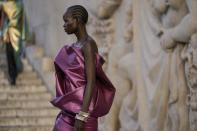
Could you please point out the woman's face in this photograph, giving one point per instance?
(70, 23)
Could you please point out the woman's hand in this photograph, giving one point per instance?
(79, 125)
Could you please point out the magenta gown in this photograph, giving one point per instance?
(70, 86)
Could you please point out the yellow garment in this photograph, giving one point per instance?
(14, 30)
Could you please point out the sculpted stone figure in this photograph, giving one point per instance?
(153, 93)
(161, 30)
(101, 25)
(120, 63)
(184, 32)
(107, 8)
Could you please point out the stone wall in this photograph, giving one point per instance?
(150, 52)
(45, 20)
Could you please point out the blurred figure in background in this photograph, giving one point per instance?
(13, 32)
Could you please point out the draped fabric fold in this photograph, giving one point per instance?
(71, 83)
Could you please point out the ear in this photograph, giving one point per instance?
(78, 20)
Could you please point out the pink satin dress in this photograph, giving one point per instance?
(70, 87)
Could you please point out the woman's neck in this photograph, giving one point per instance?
(81, 34)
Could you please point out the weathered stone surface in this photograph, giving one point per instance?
(150, 52)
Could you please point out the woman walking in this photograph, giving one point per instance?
(83, 91)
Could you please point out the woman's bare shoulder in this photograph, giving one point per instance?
(90, 45)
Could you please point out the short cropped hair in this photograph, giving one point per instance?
(79, 12)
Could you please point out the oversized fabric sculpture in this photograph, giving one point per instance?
(70, 86)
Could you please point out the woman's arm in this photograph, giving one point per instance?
(89, 57)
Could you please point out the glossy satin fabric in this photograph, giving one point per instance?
(70, 87)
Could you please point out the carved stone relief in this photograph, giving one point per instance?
(122, 63)
(101, 25)
(102, 31)
(160, 42)
(157, 29)
(189, 55)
